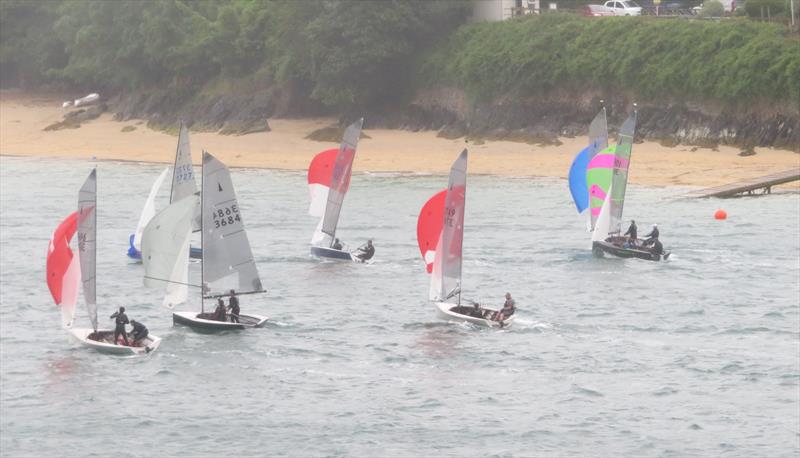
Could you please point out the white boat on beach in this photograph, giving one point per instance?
(65, 273)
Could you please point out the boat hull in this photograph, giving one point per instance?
(601, 248)
(193, 320)
(446, 312)
(148, 344)
(330, 253)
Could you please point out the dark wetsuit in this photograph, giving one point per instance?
(337, 245)
(632, 230)
(120, 320)
(219, 313)
(139, 331)
(651, 237)
(233, 304)
(366, 253)
(657, 248)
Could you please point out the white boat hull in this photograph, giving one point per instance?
(193, 320)
(148, 344)
(445, 313)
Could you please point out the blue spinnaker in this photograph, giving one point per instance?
(577, 178)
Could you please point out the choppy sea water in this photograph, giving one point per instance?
(697, 356)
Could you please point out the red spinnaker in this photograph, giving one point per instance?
(429, 227)
(59, 255)
(321, 168)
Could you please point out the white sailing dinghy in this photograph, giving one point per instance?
(440, 234)
(328, 181)
(64, 274)
(183, 185)
(227, 261)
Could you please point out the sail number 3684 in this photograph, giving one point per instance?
(226, 216)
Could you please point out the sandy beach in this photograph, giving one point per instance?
(23, 118)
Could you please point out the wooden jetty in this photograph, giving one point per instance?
(749, 187)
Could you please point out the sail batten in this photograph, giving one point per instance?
(87, 243)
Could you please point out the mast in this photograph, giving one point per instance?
(202, 234)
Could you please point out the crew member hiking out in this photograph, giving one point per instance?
(233, 306)
(366, 252)
(652, 236)
(120, 320)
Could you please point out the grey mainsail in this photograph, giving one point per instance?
(340, 179)
(619, 180)
(183, 182)
(87, 243)
(446, 275)
(227, 257)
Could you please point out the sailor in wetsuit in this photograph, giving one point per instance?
(632, 231)
(366, 252)
(120, 320)
(337, 245)
(233, 306)
(139, 331)
(657, 249)
(219, 312)
(652, 236)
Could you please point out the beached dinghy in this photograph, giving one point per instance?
(65, 273)
(328, 182)
(440, 233)
(607, 237)
(227, 262)
(183, 185)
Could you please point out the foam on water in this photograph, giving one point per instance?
(697, 356)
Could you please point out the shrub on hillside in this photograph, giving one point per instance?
(712, 8)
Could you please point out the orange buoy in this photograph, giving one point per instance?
(720, 214)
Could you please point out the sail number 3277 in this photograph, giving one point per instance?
(226, 216)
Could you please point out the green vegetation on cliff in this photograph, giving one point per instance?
(352, 55)
(733, 61)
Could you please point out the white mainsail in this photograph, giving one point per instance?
(446, 274)
(148, 211)
(87, 243)
(183, 182)
(165, 250)
(340, 179)
(226, 248)
(602, 226)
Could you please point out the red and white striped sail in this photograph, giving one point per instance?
(63, 269)
(319, 180)
(429, 227)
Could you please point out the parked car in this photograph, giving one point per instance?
(596, 11)
(624, 8)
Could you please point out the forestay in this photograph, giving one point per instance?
(87, 243)
(446, 275)
(183, 183)
(619, 181)
(340, 177)
(226, 249)
(148, 211)
(63, 269)
(165, 250)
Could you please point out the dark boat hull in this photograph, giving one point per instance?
(330, 253)
(193, 320)
(601, 248)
